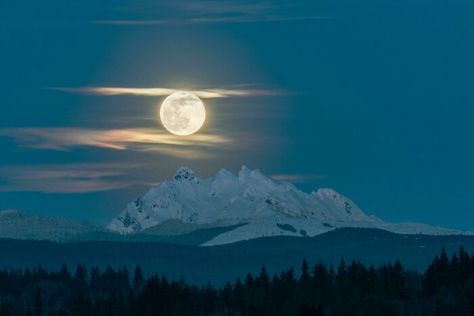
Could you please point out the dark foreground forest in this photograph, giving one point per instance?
(445, 288)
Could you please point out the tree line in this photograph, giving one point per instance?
(445, 288)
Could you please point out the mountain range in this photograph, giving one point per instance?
(222, 209)
(252, 204)
(222, 227)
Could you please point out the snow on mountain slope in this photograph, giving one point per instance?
(17, 225)
(267, 208)
(227, 199)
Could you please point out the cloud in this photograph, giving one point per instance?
(210, 20)
(73, 178)
(206, 93)
(214, 12)
(224, 7)
(298, 178)
(63, 138)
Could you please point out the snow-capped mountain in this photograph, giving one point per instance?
(17, 225)
(263, 207)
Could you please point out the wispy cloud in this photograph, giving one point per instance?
(210, 20)
(206, 93)
(298, 178)
(184, 12)
(62, 178)
(225, 7)
(64, 139)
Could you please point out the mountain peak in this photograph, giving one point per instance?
(185, 173)
(246, 172)
(258, 205)
(225, 172)
(249, 197)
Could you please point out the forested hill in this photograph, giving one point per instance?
(219, 264)
(446, 288)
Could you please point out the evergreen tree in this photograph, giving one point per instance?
(263, 280)
(95, 281)
(64, 274)
(138, 279)
(305, 278)
(81, 273)
(38, 302)
(446, 288)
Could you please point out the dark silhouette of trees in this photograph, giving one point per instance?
(446, 288)
(38, 303)
(138, 279)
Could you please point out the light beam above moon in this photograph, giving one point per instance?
(182, 113)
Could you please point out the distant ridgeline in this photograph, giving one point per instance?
(179, 257)
(223, 209)
(446, 288)
(247, 205)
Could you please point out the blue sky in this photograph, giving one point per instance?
(373, 99)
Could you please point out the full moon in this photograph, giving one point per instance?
(182, 113)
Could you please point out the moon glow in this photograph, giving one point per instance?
(182, 113)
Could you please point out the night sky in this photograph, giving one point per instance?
(371, 98)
